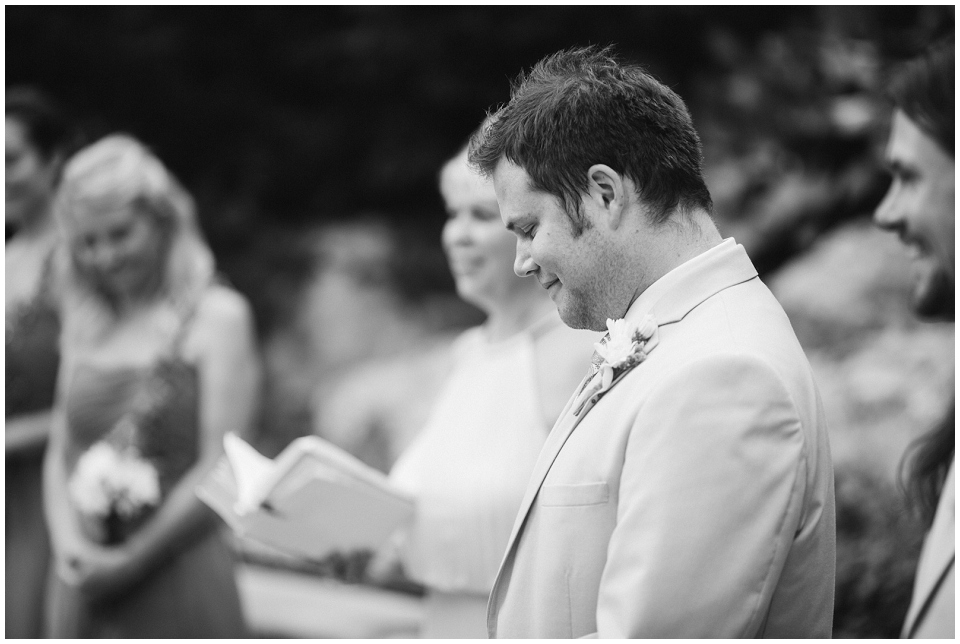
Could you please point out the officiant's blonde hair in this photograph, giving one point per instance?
(119, 172)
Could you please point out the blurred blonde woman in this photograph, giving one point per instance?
(158, 362)
(37, 140)
(468, 467)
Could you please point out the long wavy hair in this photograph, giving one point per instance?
(923, 88)
(925, 465)
(113, 173)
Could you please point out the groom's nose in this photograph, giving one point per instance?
(524, 265)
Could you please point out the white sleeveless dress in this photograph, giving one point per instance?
(468, 469)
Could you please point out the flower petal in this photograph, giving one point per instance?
(612, 326)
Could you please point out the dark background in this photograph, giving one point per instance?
(281, 120)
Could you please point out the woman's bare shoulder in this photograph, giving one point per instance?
(224, 317)
(221, 304)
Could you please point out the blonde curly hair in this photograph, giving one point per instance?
(117, 172)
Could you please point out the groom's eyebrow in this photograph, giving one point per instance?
(520, 220)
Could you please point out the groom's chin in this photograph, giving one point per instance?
(577, 316)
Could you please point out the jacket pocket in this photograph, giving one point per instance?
(574, 494)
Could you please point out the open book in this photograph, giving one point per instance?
(310, 501)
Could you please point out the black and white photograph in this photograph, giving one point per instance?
(480, 321)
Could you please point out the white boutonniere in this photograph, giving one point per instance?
(625, 348)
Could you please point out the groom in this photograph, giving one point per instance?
(687, 489)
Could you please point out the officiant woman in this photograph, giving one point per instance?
(468, 467)
(158, 362)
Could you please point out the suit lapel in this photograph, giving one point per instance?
(548, 453)
(937, 557)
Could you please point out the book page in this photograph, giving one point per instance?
(251, 473)
(319, 499)
(321, 451)
(326, 514)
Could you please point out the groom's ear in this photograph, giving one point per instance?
(605, 191)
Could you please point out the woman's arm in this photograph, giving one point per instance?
(67, 540)
(229, 373)
(27, 433)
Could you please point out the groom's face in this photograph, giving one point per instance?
(574, 269)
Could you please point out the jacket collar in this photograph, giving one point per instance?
(684, 288)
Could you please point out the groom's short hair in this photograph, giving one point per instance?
(582, 106)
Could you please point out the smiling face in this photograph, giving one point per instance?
(579, 271)
(29, 178)
(121, 251)
(919, 207)
(478, 248)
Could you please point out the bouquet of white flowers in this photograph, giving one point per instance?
(112, 486)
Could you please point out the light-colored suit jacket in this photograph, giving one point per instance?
(695, 497)
(932, 609)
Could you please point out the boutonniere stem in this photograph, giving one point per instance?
(626, 346)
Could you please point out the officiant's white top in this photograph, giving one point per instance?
(469, 466)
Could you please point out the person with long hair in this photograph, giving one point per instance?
(159, 362)
(920, 207)
(38, 138)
